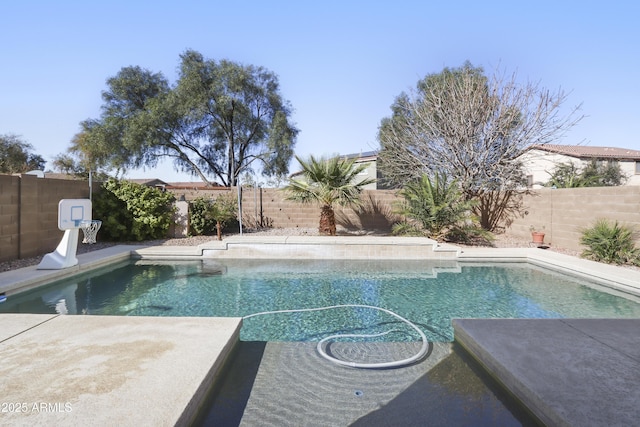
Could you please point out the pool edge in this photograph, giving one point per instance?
(565, 371)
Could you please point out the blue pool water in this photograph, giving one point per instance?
(429, 294)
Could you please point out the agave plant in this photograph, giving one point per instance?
(328, 182)
(610, 242)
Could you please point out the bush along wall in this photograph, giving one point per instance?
(133, 212)
(207, 216)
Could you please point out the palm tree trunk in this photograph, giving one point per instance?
(327, 221)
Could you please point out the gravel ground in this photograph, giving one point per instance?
(501, 241)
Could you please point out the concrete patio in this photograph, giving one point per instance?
(109, 370)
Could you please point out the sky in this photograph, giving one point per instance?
(340, 63)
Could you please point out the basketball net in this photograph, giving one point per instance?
(90, 230)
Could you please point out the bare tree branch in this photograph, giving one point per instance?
(472, 128)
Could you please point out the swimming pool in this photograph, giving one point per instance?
(429, 293)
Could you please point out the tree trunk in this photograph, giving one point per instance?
(219, 230)
(327, 221)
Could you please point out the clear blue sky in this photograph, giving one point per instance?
(340, 63)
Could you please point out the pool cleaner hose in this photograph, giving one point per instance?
(321, 350)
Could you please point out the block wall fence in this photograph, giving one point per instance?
(563, 213)
(29, 213)
(268, 207)
(29, 209)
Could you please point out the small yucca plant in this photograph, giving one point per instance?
(610, 242)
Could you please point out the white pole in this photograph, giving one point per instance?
(240, 207)
(255, 203)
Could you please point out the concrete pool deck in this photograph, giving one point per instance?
(556, 367)
(109, 370)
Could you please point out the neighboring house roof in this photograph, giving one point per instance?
(589, 152)
(149, 182)
(193, 185)
(54, 175)
(155, 182)
(367, 155)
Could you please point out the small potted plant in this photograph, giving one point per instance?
(537, 236)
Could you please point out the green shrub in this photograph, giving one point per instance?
(200, 223)
(205, 215)
(610, 242)
(116, 220)
(131, 211)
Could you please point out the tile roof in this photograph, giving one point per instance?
(362, 155)
(194, 185)
(584, 151)
(147, 181)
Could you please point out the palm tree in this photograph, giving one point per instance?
(327, 182)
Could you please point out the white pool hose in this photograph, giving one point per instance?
(394, 364)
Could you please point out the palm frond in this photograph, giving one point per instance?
(328, 181)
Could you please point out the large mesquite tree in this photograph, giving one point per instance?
(472, 128)
(220, 119)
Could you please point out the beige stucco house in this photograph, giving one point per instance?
(369, 159)
(540, 161)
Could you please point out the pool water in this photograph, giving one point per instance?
(428, 294)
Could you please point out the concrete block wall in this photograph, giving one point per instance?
(34, 218)
(563, 213)
(9, 217)
(29, 213)
(29, 209)
(268, 207)
(49, 194)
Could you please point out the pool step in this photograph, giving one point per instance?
(325, 247)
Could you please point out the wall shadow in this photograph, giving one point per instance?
(227, 401)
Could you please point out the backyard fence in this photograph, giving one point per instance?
(268, 208)
(29, 212)
(563, 213)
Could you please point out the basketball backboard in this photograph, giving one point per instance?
(71, 212)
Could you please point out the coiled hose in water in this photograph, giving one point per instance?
(394, 364)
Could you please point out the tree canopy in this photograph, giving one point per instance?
(219, 120)
(472, 128)
(16, 155)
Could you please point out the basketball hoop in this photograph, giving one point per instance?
(90, 230)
